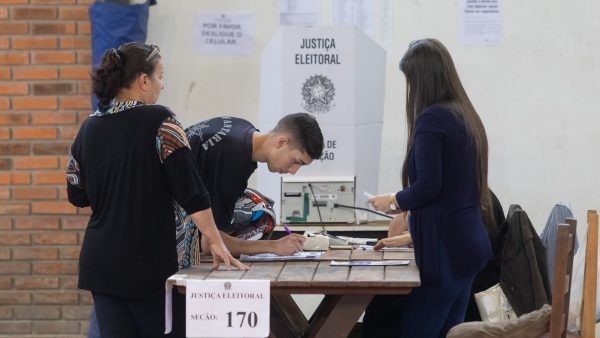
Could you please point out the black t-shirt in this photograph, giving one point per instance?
(222, 149)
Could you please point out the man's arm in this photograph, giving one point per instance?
(287, 245)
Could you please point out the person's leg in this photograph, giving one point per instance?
(457, 311)
(94, 331)
(382, 316)
(114, 318)
(149, 316)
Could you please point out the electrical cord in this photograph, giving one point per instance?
(317, 205)
(336, 205)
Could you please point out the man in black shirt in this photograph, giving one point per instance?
(226, 151)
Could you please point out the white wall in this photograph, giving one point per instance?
(536, 92)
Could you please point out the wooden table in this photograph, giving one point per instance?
(347, 290)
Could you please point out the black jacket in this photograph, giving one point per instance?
(523, 267)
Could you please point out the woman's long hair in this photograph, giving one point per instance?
(432, 78)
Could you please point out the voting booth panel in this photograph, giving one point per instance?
(336, 74)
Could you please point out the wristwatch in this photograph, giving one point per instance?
(392, 204)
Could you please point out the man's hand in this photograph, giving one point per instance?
(220, 254)
(288, 245)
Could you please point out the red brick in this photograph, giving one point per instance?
(12, 297)
(34, 103)
(36, 222)
(34, 133)
(52, 148)
(85, 297)
(14, 58)
(4, 135)
(14, 118)
(5, 282)
(84, 211)
(56, 268)
(85, 2)
(14, 268)
(4, 104)
(34, 43)
(3, 13)
(33, 13)
(5, 223)
(76, 312)
(5, 312)
(36, 162)
(74, 222)
(4, 73)
(75, 42)
(5, 254)
(74, 13)
(63, 160)
(54, 238)
(52, 208)
(35, 73)
(34, 282)
(70, 252)
(14, 149)
(14, 2)
(4, 42)
(15, 238)
(53, 327)
(52, 2)
(84, 87)
(53, 117)
(49, 177)
(11, 28)
(14, 208)
(68, 133)
(75, 102)
(53, 28)
(14, 88)
(69, 282)
(84, 27)
(4, 193)
(53, 88)
(55, 297)
(24, 253)
(15, 327)
(14, 178)
(53, 58)
(75, 72)
(36, 312)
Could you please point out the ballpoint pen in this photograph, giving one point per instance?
(289, 232)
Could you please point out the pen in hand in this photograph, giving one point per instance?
(289, 233)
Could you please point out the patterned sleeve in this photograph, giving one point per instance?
(73, 173)
(170, 137)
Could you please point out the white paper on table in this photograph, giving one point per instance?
(370, 263)
(266, 257)
(169, 301)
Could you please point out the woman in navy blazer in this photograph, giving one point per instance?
(444, 181)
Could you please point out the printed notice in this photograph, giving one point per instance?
(227, 308)
(480, 22)
(224, 33)
(299, 12)
(354, 12)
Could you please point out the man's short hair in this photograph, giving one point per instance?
(304, 132)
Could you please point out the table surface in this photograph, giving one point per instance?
(317, 276)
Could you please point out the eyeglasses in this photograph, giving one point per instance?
(155, 50)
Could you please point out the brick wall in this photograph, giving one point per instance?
(44, 96)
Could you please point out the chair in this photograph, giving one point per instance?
(588, 311)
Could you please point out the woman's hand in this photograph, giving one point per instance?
(383, 203)
(288, 245)
(220, 253)
(396, 241)
(398, 224)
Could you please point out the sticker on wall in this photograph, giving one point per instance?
(318, 92)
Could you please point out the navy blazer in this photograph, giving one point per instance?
(445, 224)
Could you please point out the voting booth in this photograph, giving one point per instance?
(337, 74)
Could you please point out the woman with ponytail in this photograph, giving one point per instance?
(445, 188)
(129, 162)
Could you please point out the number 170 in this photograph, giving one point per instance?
(252, 318)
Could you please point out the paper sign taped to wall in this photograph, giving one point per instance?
(224, 33)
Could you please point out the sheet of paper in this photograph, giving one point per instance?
(480, 22)
(390, 248)
(224, 33)
(370, 263)
(357, 240)
(354, 12)
(266, 257)
(299, 12)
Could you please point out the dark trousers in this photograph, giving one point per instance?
(145, 318)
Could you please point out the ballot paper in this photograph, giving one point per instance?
(267, 257)
(370, 263)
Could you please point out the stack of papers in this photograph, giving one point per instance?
(267, 257)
